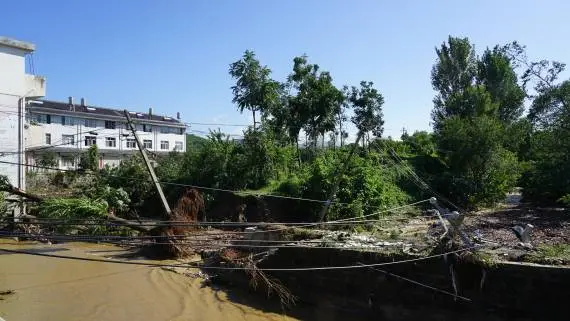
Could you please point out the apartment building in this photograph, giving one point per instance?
(67, 129)
(16, 87)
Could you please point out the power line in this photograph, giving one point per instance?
(218, 124)
(319, 268)
(254, 244)
(102, 221)
(196, 238)
(421, 284)
(214, 189)
(57, 143)
(417, 179)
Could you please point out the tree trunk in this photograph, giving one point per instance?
(253, 111)
(298, 150)
(13, 190)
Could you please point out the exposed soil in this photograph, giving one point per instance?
(551, 225)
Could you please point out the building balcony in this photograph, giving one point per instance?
(35, 86)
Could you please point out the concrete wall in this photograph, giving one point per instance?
(14, 86)
(12, 65)
(9, 144)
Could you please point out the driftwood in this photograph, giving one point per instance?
(16, 191)
(169, 235)
(135, 225)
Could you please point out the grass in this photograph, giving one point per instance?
(487, 260)
(555, 254)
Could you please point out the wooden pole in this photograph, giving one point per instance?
(339, 175)
(149, 166)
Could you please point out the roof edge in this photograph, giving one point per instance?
(18, 44)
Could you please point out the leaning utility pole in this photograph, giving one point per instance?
(337, 178)
(149, 166)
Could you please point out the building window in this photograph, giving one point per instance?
(68, 162)
(111, 142)
(90, 123)
(90, 140)
(131, 143)
(178, 146)
(110, 124)
(68, 139)
(164, 144)
(147, 128)
(48, 139)
(164, 130)
(147, 143)
(68, 121)
(181, 131)
(42, 118)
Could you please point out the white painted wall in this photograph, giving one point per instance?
(12, 88)
(13, 71)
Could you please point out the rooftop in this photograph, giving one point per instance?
(99, 111)
(9, 42)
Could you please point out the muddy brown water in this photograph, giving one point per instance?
(60, 290)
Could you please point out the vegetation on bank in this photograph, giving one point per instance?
(483, 141)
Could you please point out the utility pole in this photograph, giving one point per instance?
(149, 166)
(338, 176)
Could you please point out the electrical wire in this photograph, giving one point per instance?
(57, 143)
(59, 221)
(216, 189)
(418, 180)
(217, 124)
(318, 268)
(420, 284)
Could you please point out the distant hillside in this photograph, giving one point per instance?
(194, 142)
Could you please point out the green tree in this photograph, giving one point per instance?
(48, 159)
(546, 180)
(89, 160)
(496, 72)
(477, 102)
(421, 142)
(367, 104)
(316, 102)
(454, 72)
(254, 89)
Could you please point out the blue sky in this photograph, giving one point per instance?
(174, 55)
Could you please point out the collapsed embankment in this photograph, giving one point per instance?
(502, 291)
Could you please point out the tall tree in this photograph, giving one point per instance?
(316, 101)
(454, 71)
(254, 89)
(547, 177)
(367, 104)
(476, 100)
(496, 72)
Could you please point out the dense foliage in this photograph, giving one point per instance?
(482, 145)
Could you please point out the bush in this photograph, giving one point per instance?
(64, 208)
(224, 163)
(132, 177)
(366, 186)
(546, 178)
(479, 171)
(89, 160)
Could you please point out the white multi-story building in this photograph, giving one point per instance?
(65, 130)
(16, 87)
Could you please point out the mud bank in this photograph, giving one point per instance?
(502, 291)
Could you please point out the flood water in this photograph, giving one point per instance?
(60, 290)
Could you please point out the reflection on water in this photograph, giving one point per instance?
(57, 289)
